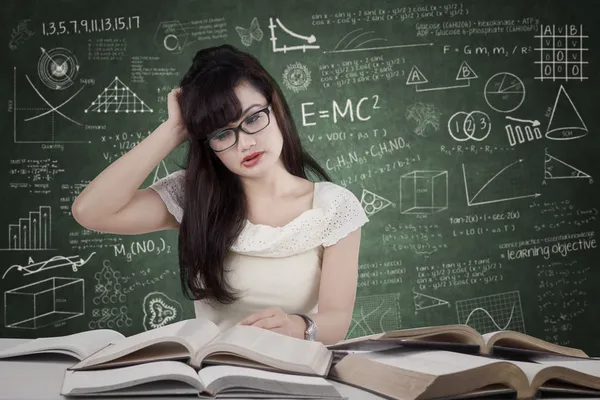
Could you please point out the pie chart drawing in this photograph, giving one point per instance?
(504, 92)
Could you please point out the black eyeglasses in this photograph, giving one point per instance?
(225, 139)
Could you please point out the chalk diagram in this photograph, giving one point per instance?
(475, 125)
(45, 116)
(555, 168)
(504, 92)
(561, 53)
(44, 303)
(118, 98)
(108, 290)
(374, 314)
(424, 114)
(33, 232)
(296, 77)
(247, 35)
(495, 197)
(75, 262)
(423, 192)
(20, 34)
(525, 131)
(58, 68)
(565, 122)
(158, 174)
(417, 78)
(285, 48)
(497, 312)
(358, 39)
(160, 310)
(373, 203)
(175, 35)
(423, 301)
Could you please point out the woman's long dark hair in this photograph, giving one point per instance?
(215, 204)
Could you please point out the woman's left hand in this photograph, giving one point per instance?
(276, 320)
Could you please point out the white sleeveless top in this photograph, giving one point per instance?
(276, 266)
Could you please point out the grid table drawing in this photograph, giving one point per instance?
(497, 312)
(561, 52)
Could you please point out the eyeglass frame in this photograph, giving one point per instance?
(236, 130)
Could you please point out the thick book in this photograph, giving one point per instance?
(459, 337)
(196, 342)
(405, 373)
(176, 378)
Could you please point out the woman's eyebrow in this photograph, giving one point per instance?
(249, 108)
(244, 115)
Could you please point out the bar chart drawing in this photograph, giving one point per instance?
(33, 232)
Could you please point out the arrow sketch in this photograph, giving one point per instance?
(34, 268)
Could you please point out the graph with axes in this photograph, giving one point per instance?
(57, 69)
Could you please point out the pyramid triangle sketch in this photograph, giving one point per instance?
(118, 98)
(555, 168)
(423, 301)
(415, 76)
(465, 72)
(157, 171)
(564, 117)
(383, 201)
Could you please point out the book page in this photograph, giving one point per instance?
(519, 340)
(211, 374)
(586, 366)
(435, 362)
(78, 345)
(77, 382)
(178, 332)
(269, 348)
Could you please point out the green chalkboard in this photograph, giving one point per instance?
(467, 129)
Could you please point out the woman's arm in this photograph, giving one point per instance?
(337, 291)
(111, 202)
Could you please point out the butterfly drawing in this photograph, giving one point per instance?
(254, 32)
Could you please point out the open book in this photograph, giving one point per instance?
(177, 378)
(199, 342)
(78, 345)
(458, 337)
(433, 374)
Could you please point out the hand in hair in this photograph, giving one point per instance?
(174, 111)
(276, 320)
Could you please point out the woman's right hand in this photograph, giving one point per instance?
(174, 112)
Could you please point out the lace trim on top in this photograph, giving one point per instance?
(335, 214)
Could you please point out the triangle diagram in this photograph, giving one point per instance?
(555, 168)
(157, 172)
(373, 203)
(565, 122)
(423, 301)
(465, 72)
(415, 76)
(118, 98)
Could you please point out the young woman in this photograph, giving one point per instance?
(260, 243)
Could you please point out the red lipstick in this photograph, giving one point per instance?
(252, 159)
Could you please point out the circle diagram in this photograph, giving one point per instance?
(296, 77)
(504, 92)
(475, 125)
(57, 68)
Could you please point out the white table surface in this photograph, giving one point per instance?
(38, 377)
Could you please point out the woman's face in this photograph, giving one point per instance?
(255, 153)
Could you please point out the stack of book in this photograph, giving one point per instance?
(455, 361)
(193, 357)
(190, 357)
